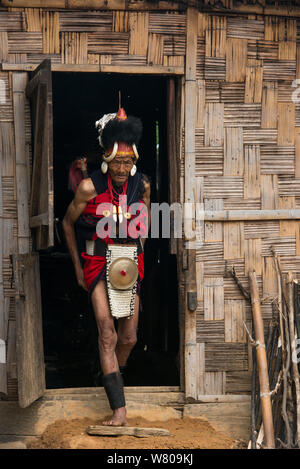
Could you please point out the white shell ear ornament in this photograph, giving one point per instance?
(104, 167)
(133, 170)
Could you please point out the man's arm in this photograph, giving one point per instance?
(146, 199)
(84, 193)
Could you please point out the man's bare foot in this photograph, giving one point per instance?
(118, 418)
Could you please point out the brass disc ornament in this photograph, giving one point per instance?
(123, 273)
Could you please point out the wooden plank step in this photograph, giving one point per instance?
(129, 389)
(108, 430)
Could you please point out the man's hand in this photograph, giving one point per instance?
(80, 279)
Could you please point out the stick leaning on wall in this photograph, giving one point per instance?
(262, 364)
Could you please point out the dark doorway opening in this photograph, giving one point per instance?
(69, 327)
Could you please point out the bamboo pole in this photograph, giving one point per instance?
(253, 397)
(290, 289)
(296, 308)
(262, 364)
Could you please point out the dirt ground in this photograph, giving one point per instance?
(187, 433)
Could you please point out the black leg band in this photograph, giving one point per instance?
(114, 388)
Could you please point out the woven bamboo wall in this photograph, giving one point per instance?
(247, 157)
(92, 37)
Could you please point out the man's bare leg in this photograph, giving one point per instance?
(107, 343)
(127, 328)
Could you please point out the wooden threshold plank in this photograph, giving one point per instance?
(129, 389)
(140, 432)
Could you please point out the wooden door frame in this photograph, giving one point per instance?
(175, 74)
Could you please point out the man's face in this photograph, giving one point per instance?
(119, 168)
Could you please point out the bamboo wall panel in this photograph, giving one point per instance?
(226, 357)
(262, 229)
(269, 111)
(214, 68)
(74, 48)
(155, 49)
(167, 23)
(33, 20)
(266, 50)
(210, 331)
(234, 321)
(260, 137)
(283, 246)
(101, 43)
(241, 27)
(286, 123)
(91, 21)
(287, 228)
(232, 92)
(254, 76)
(252, 171)
(238, 382)
(138, 33)
(214, 131)
(277, 160)
(279, 69)
(286, 89)
(213, 230)
(213, 290)
(242, 204)
(269, 278)
(214, 382)
(11, 21)
(289, 186)
(269, 192)
(50, 31)
(223, 187)
(7, 149)
(236, 59)
(215, 37)
(200, 59)
(233, 152)
(297, 152)
(200, 117)
(212, 91)
(234, 246)
(3, 46)
(123, 59)
(24, 42)
(242, 115)
(174, 45)
(253, 253)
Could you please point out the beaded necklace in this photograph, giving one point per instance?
(113, 192)
(115, 198)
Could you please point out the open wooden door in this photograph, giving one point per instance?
(29, 332)
(39, 90)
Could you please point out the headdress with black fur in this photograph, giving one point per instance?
(127, 131)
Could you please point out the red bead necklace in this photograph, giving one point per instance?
(113, 193)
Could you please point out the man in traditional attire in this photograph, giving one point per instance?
(111, 210)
